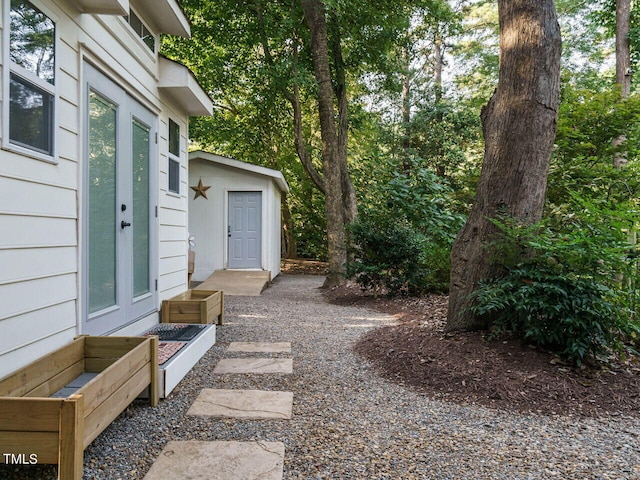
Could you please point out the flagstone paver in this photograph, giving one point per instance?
(247, 404)
(218, 460)
(260, 347)
(254, 365)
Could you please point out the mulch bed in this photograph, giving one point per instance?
(466, 368)
(300, 266)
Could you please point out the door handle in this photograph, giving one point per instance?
(124, 224)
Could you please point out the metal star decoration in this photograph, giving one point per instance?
(201, 190)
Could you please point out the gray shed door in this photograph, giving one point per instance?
(245, 229)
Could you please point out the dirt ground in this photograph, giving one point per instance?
(303, 267)
(469, 369)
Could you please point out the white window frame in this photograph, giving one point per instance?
(32, 79)
(137, 36)
(172, 157)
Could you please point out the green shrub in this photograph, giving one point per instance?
(565, 290)
(388, 257)
(401, 241)
(574, 316)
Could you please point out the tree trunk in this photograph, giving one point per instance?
(623, 65)
(340, 91)
(406, 111)
(289, 245)
(298, 134)
(438, 64)
(315, 14)
(519, 125)
(623, 49)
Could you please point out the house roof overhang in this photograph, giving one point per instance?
(105, 7)
(275, 175)
(180, 84)
(166, 15)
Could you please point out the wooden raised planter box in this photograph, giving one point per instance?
(194, 306)
(47, 430)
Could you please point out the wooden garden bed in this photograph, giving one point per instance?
(57, 430)
(194, 306)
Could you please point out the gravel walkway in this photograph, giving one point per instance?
(350, 424)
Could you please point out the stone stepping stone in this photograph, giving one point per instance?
(249, 404)
(254, 365)
(260, 347)
(219, 460)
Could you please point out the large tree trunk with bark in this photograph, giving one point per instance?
(315, 14)
(623, 48)
(519, 126)
(340, 91)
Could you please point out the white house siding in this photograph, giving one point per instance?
(208, 218)
(173, 218)
(41, 212)
(38, 221)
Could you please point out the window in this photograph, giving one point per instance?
(31, 78)
(141, 30)
(174, 157)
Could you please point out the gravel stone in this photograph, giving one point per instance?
(347, 422)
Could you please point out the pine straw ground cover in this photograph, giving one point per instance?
(469, 369)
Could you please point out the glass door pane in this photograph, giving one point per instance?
(102, 203)
(140, 171)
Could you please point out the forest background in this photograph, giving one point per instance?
(408, 81)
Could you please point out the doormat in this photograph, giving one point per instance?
(175, 332)
(166, 350)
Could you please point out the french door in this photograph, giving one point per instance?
(119, 211)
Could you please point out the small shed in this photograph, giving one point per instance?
(234, 215)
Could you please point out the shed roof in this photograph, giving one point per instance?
(276, 175)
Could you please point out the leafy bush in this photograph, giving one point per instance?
(564, 288)
(387, 256)
(401, 241)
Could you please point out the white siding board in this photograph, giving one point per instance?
(173, 217)
(18, 232)
(173, 202)
(63, 174)
(19, 358)
(41, 293)
(173, 265)
(170, 233)
(68, 88)
(68, 115)
(67, 54)
(68, 149)
(171, 292)
(175, 280)
(173, 249)
(21, 196)
(20, 265)
(42, 323)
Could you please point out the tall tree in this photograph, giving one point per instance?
(519, 125)
(316, 17)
